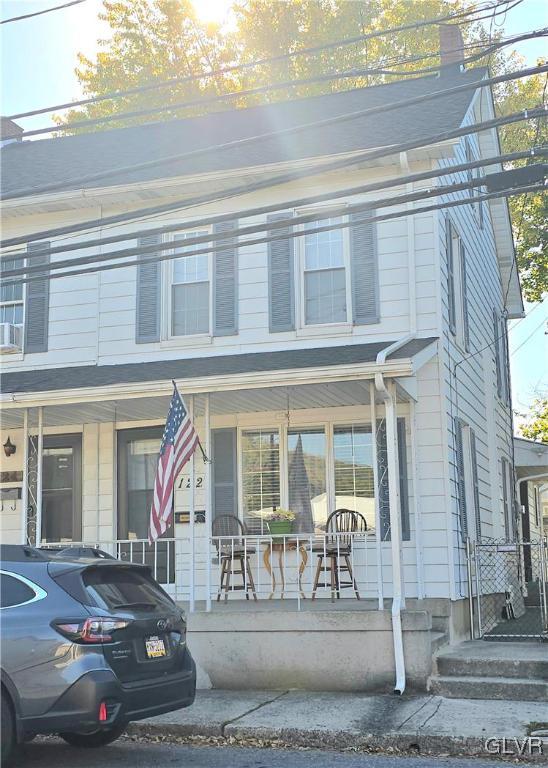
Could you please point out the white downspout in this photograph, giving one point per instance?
(398, 600)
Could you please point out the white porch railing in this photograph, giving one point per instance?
(293, 567)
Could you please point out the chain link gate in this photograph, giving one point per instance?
(508, 585)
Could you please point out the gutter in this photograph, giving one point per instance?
(398, 600)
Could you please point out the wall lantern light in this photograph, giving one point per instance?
(9, 447)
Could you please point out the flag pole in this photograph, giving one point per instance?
(192, 515)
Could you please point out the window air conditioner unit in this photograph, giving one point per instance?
(11, 338)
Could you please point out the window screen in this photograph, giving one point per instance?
(190, 289)
(354, 483)
(307, 479)
(260, 476)
(324, 275)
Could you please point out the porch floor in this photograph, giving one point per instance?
(238, 605)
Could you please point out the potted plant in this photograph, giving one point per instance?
(280, 521)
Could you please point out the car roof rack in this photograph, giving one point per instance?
(19, 553)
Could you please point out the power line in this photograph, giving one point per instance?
(529, 337)
(282, 236)
(348, 74)
(150, 212)
(21, 254)
(292, 221)
(380, 108)
(40, 13)
(272, 59)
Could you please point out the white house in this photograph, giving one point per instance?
(362, 367)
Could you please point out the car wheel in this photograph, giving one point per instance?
(8, 740)
(96, 739)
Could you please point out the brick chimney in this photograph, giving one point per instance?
(451, 48)
(9, 131)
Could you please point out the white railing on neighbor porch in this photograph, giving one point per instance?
(162, 556)
(295, 566)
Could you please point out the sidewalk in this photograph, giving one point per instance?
(384, 723)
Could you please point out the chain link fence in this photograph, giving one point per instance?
(508, 582)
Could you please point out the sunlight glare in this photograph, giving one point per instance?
(214, 11)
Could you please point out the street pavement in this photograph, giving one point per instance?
(52, 753)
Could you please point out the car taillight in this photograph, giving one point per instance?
(96, 629)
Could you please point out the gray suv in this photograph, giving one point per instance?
(88, 643)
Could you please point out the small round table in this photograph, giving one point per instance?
(280, 546)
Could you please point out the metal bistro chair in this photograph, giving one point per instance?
(233, 552)
(337, 550)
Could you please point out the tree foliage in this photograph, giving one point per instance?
(164, 39)
(536, 425)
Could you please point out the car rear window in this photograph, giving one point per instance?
(130, 588)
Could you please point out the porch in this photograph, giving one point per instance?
(311, 441)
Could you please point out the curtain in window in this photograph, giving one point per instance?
(354, 483)
(307, 479)
(260, 476)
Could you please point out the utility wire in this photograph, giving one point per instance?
(281, 179)
(21, 254)
(273, 238)
(348, 74)
(40, 13)
(345, 209)
(529, 337)
(316, 124)
(272, 59)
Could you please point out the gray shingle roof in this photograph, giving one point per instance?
(32, 163)
(201, 367)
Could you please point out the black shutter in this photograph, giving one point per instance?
(148, 298)
(225, 485)
(37, 301)
(475, 482)
(450, 275)
(461, 482)
(365, 279)
(496, 343)
(225, 282)
(464, 287)
(281, 272)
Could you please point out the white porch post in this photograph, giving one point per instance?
(25, 490)
(416, 505)
(208, 507)
(191, 512)
(394, 492)
(378, 542)
(40, 452)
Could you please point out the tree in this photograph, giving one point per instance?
(536, 426)
(164, 39)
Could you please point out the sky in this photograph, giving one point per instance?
(38, 60)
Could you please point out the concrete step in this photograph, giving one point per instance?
(483, 659)
(438, 640)
(511, 689)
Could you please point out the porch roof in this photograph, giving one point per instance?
(203, 368)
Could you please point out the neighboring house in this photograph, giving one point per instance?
(364, 368)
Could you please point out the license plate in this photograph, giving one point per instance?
(155, 647)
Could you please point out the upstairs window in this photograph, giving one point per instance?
(325, 275)
(457, 287)
(190, 288)
(11, 298)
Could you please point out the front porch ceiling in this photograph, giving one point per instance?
(154, 407)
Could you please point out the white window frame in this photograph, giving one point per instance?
(169, 338)
(300, 303)
(20, 301)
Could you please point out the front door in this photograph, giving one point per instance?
(61, 489)
(137, 459)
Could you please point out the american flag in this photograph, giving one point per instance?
(178, 444)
